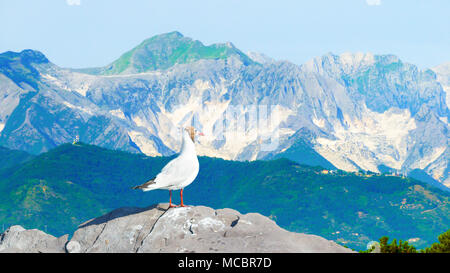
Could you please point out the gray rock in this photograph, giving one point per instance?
(159, 229)
(121, 230)
(17, 239)
(191, 229)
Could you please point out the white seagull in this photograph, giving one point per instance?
(180, 171)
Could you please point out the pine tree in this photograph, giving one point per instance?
(393, 247)
(442, 247)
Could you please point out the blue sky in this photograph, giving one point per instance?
(88, 33)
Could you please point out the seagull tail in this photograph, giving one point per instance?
(145, 185)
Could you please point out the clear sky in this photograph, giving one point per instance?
(88, 33)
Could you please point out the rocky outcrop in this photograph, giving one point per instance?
(17, 239)
(159, 229)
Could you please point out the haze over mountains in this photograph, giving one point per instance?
(352, 111)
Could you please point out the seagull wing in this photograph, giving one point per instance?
(177, 171)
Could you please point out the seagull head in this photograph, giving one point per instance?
(193, 132)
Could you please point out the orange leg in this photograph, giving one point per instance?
(170, 200)
(181, 196)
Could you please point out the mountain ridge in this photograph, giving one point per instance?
(362, 110)
(163, 51)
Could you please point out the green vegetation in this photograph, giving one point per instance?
(70, 184)
(302, 153)
(393, 247)
(442, 247)
(164, 51)
(121, 64)
(9, 158)
(404, 247)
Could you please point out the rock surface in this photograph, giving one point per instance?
(159, 229)
(17, 239)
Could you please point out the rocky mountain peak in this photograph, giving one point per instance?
(443, 76)
(260, 57)
(348, 62)
(33, 56)
(25, 56)
(20, 67)
(165, 50)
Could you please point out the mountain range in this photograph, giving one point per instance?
(58, 190)
(354, 111)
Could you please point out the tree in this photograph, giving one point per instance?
(403, 247)
(393, 247)
(442, 247)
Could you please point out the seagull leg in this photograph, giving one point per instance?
(181, 197)
(170, 200)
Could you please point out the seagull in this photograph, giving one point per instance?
(180, 171)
